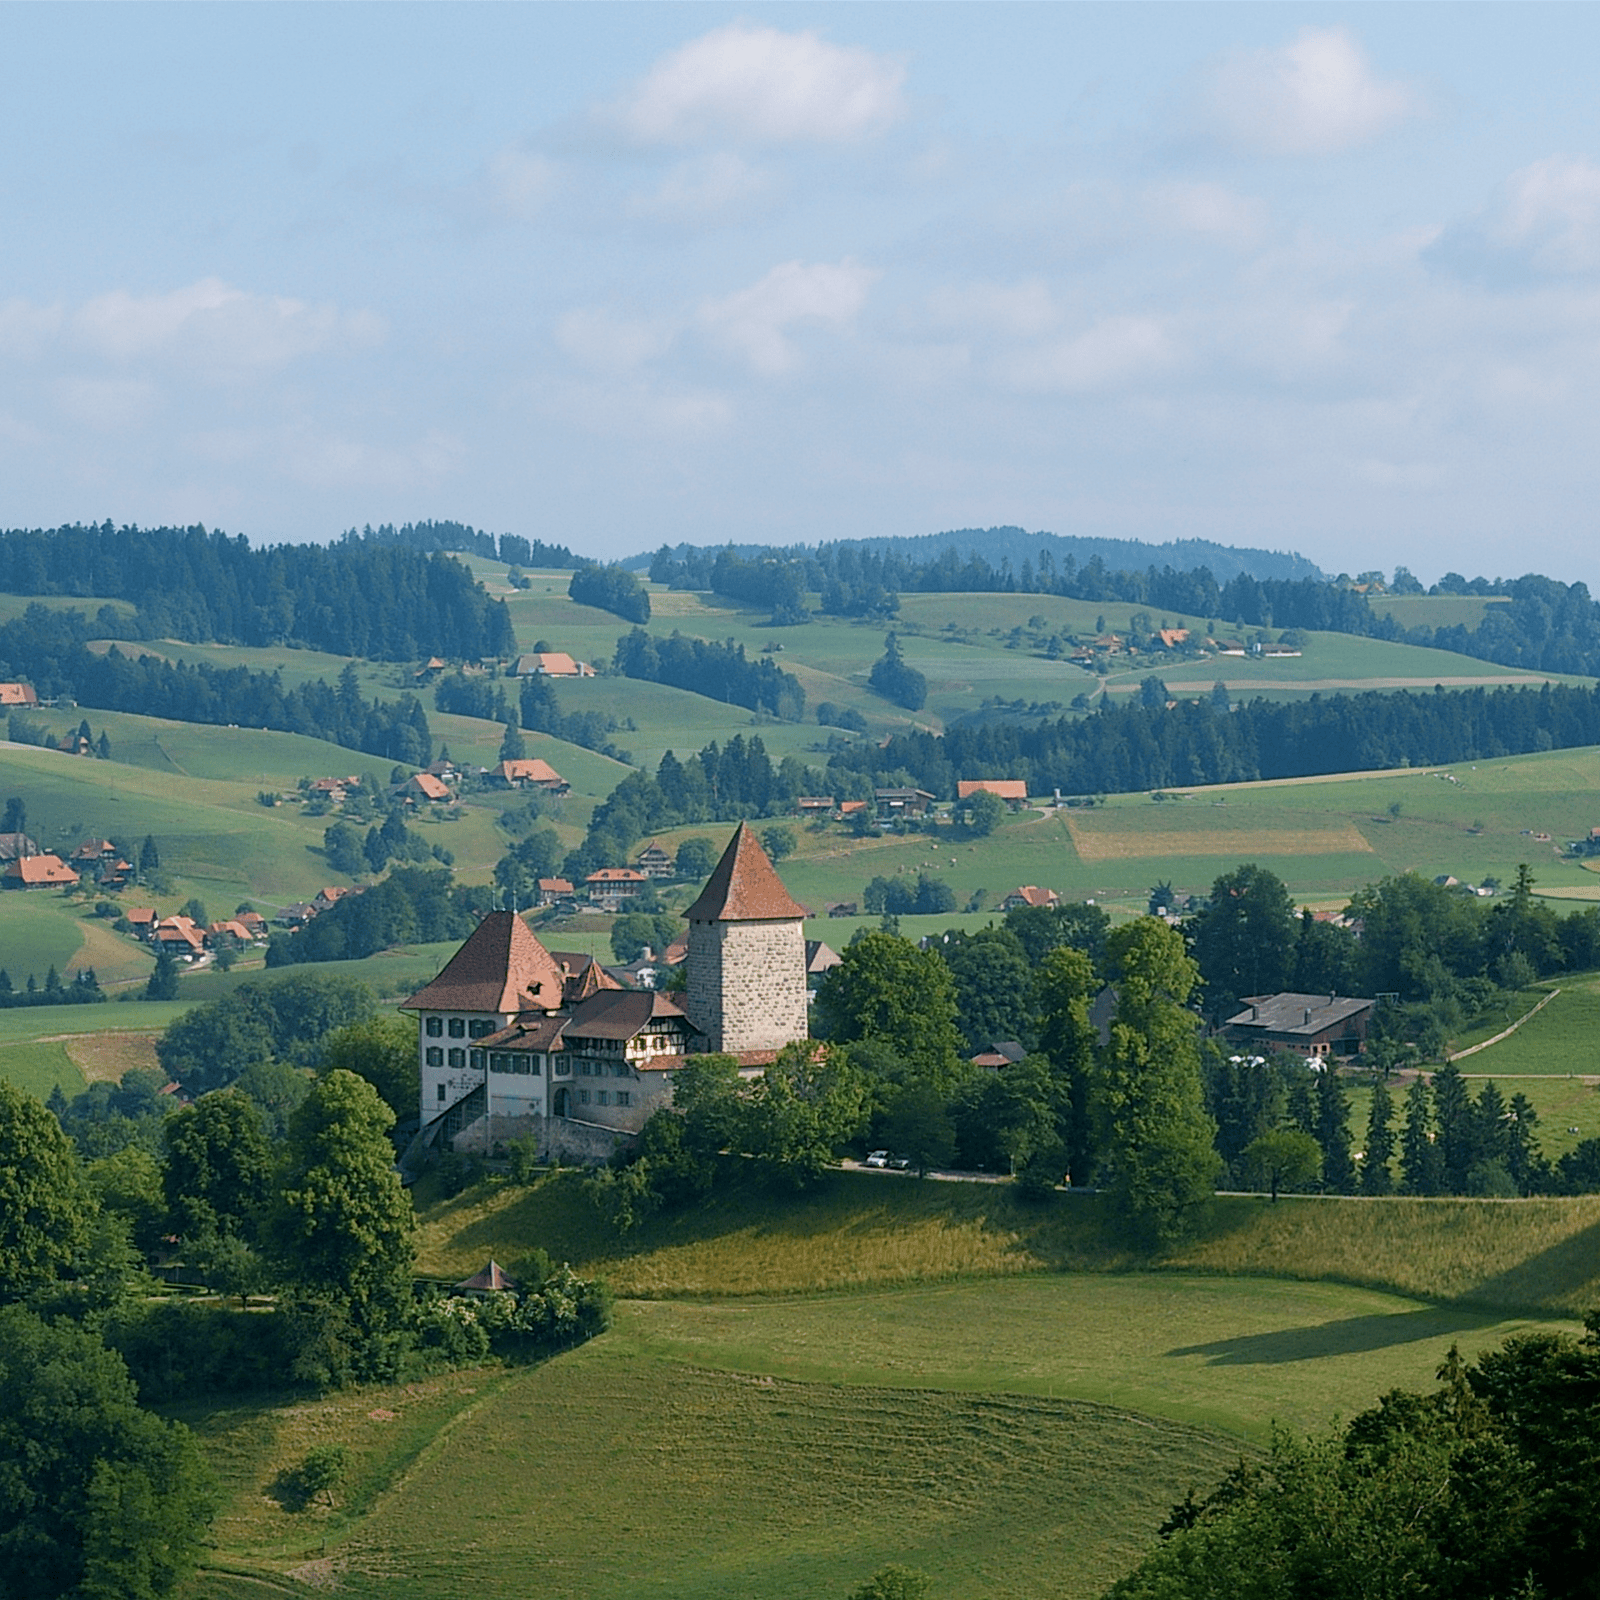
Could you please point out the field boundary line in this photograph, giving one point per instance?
(1505, 1033)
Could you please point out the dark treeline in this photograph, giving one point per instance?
(413, 905)
(536, 708)
(725, 785)
(1134, 747)
(612, 589)
(719, 671)
(47, 648)
(462, 538)
(83, 989)
(1544, 625)
(370, 597)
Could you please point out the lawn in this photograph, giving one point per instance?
(611, 1473)
(1230, 1354)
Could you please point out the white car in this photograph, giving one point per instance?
(878, 1158)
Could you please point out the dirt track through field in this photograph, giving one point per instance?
(1097, 843)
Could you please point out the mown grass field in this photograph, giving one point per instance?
(991, 1392)
(612, 1473)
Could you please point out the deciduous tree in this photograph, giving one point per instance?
(45, 1209)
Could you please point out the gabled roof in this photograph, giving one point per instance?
(1306, 1014)
(745, 887)
(430, 786)
(585, 976)
(621, 1013)
(530, 769)
(34, 870)
(501, 968)
(1004, 788)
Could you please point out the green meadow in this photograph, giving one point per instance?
(798, 1390)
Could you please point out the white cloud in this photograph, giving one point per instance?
(755, 84)
(596, 338)
(1552, 210)
(107, 405)
(1020, 311)
(1208, 209)
(216, 327)
(1316, 95)
(26, 328)
(704, 189)
(331, 460)
(518, 183)
(1115, 351)
(753, 322)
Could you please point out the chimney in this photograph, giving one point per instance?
(1255, 1013)
(1308, 1017)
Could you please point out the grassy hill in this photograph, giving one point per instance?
(992, 1392)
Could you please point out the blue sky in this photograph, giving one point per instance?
(1308, 277)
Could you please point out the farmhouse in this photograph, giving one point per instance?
(18, 694)
(531, 773)
(611, 886)
(517, 1040)
(1012, 790)
(654, 862)
(553, 889)
(424, 786)
(40, 872)
(1029, 894)
(551, 664)
(903, 802)
(13, 845)
(1314, 1024)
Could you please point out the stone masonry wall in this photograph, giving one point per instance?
(747, 983)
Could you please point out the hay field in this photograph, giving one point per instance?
(1098, 840)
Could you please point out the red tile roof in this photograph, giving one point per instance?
(492, 1279)
(34, 871)
(1004, 788)
(745, 887)
(501, 968)
(430, 787)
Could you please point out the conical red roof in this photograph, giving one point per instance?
(744, 887)
(502, 968)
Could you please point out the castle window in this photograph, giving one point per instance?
(478, 1030)
(526, 1065)
(435, 1056)
(623, 1097)
(458, 1058)
(498, 1062)
(476, 1058)
(602, 1098)
(583, 1097)
(458, 1028)
(563, 1067)
(584, 1068)
(441, 1094)
(434, 1027)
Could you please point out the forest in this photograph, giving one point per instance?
(719, 671)
(1139, 746)
(48, 649)
(364, 596)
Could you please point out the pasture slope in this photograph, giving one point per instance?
(796, 1391)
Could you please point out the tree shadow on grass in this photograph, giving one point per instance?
(1348, 1336)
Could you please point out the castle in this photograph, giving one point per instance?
(516, 1040)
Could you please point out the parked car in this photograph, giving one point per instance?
(878, 1158)
(900, 1163)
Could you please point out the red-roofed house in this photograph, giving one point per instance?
(1012, 790)
(1029, 895)
(611, 886)
(551, 664)
(40, 872)
(531, 773)
(424, 786)
(18, 694)
(554, 889)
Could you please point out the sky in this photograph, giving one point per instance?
(1311, 278)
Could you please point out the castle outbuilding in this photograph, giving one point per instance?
(515, 1040)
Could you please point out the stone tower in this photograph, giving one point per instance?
(747, 954)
